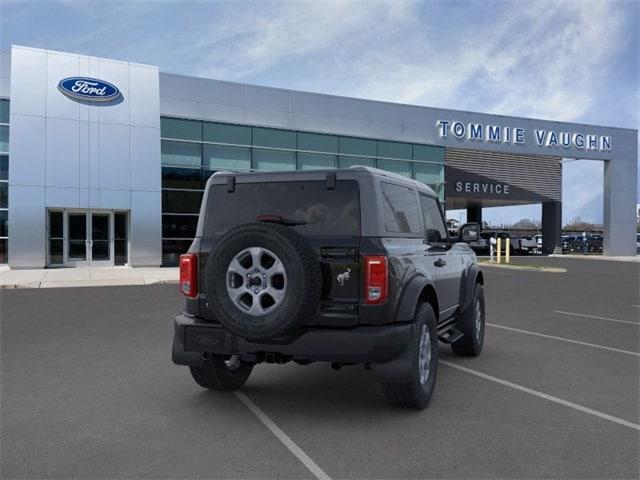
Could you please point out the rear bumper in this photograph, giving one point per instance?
(366, 344)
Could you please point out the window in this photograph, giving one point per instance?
(179, 226)
(270, 160)
(120, 245)
(310, 161)
(4, 167)
(435, 229)
(394, 150)
(400, 209)
(428, 153)
(4, 223)
(321, 211)
(317, 143)
(4, 111)
(346, 162)
(220, 157)
(358, 146)
(395, 166)
(428, 173)
(181, 201)
(182, 129)
(4, 195)
(190, 178)
(271, 137)
(172, 249)
(180, 153)
(224, 133)
(4, 139)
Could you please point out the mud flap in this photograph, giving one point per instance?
(396, 369)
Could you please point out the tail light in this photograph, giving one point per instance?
(376, 279)
(189, 275)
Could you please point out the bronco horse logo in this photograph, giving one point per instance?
(343, 277)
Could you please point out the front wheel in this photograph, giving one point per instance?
(219, 373)
(417, 392)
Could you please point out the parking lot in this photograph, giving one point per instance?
(89, 391)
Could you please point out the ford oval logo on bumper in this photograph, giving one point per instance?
(88, 89)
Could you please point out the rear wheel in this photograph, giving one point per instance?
(417, 391)
(471, 324)
(219, 373)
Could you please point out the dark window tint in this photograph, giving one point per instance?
(4, 167)
(4, 111)
(436, 231)
(4, 220)
(181, 201)
(55, 225)
(179, 226)
(325, 212)
(172, 249)
(178, 128)
(120, 238)
(4, 194)
(400, 209)
(4, 255)
(173, 177)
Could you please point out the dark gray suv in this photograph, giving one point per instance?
(349, 266)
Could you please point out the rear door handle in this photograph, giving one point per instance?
(440, 263)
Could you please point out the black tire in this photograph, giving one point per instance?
(215, 374)
(414, 393)
(470, 345)
(303, 281)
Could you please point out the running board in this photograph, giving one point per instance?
(452, 335)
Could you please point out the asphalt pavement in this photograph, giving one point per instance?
(88, 390)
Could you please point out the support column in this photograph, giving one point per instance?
(620, 192)
(551, 227)
(474, 213)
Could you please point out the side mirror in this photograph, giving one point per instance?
(469, 232)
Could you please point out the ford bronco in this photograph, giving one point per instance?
(347, 266)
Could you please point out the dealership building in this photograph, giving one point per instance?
(103, 162)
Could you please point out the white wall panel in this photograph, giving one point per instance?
(63, 153)
(214, 91)
(27, 142)
(29, 81)
(115, 199)
(145, 155)
(115, 155)
(144, 97)
(146, 228)
(62, 197)
(266, 98)
(223, 113)
(271, 118)
(27, 247)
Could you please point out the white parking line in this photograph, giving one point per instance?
(283, 437)
(563, 339)
(573, 314)
(551, 398)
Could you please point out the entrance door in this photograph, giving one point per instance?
(87, 238)
(100, 242)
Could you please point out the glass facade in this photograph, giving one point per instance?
(4, 180)
(193, 150)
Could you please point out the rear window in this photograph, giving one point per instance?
(326, 212)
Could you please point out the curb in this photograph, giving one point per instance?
(524, 267)
(99, 283)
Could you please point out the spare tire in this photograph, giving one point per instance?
(262, 280)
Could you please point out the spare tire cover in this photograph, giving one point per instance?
(262, 280)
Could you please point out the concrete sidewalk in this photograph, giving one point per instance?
(86, 277)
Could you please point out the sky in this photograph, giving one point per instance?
(558, 60)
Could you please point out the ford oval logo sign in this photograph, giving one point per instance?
(89, 89)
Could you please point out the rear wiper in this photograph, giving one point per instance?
(289, 222)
